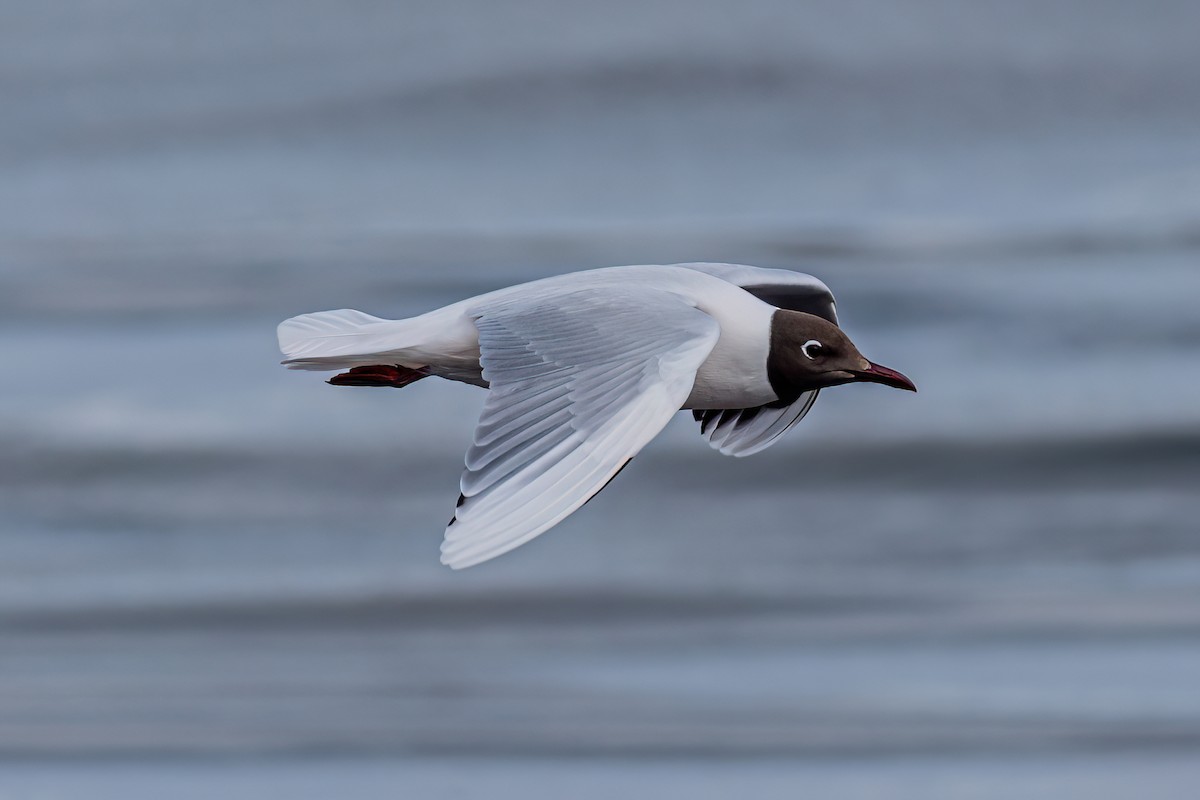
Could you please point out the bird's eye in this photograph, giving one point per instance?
(812, 348)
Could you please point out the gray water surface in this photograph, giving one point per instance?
(218, 577)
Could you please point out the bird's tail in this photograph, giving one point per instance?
(329, 340)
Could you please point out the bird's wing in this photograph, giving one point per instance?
(745, 431)
(782, 288)
(579, 381)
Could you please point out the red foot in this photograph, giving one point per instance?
(378, 375)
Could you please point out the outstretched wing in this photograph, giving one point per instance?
(579, 381)
(745, 431)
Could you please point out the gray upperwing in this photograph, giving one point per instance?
(782, 288)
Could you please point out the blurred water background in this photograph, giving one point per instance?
(219, 578)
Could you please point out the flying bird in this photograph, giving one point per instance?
(584, 369)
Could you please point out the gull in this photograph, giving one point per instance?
(584, 369)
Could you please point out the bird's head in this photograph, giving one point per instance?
(808, 352)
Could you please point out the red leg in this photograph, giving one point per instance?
(379, 375)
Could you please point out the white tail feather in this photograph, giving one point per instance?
(338, 339)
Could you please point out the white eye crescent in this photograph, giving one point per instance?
(811, 349)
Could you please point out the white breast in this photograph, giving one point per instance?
(735, 373)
